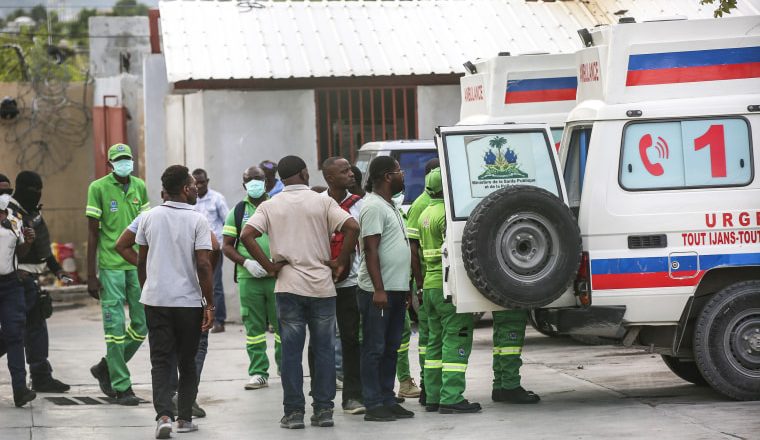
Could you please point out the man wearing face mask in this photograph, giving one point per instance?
(274, 185)
(113, 202)
(25, 202)
(257, 300)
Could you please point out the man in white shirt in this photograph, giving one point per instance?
(175, 273)
(213, 205)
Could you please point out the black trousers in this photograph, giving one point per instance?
(174, 330)
(347, 315)
(348, 318)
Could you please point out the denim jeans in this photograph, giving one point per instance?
(220, 314)
(295, 314)
(12, 320)
(381, 337)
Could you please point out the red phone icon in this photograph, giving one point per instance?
(654, 169)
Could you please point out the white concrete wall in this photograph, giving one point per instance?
(155, 92)
(436, 106)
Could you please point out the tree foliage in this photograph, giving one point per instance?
(724, 6)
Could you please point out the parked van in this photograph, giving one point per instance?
(512, 114)
(659, 165)
(412, 155)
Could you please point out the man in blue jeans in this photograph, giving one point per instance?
(299, 223)
(383, 289)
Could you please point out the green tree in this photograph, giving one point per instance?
(129, 8)
(724, 6)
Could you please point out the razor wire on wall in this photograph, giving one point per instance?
(43, 122)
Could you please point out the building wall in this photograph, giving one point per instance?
(436, 106)
(64, 193)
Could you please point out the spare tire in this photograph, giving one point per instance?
(521, 247)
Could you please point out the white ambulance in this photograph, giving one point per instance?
(659, 158)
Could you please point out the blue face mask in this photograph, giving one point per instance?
(123, 168)
(255, 188)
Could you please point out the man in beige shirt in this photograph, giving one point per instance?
(299, 223)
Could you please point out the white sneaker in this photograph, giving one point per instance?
(338, 384)
(163, 427)
(186, 426)
(257, 381)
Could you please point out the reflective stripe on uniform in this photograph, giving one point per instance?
(507, 351)
(258, 339)
(134, 335)
(433, 363)
(93, 211)
(112, 339)
(422, 349)
(229, 231)
(277, 338)
(431, 253)
(403, 347)
(454, 368)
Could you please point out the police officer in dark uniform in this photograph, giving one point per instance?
(37, 260)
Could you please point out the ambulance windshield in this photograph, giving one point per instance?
(480, 162)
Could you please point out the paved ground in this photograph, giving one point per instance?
(588, 392)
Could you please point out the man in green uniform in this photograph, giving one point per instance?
(113, 201)
(407, 388)
(449, 332)
(418, 272)
(257, 299)
(508, 339)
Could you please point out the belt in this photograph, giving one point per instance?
(24, 274)
(9, 276)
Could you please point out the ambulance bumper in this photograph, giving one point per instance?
(604, 321)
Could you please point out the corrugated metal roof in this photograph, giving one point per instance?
(340, 38)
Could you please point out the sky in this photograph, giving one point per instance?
(71, 7)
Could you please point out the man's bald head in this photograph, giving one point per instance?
(253, 172)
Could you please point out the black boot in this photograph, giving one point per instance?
(100, 372)
(127, 398)
(519, 395)
(423, 397)
(459, 408)
(22, 396)
(49, 385)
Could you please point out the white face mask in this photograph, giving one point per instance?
(398, 200)
(123, 168)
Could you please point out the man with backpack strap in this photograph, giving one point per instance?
(339, 177)
(257, 301)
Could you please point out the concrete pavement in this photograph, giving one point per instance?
(588, 392)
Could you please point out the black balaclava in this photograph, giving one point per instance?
(4, 178)
(26, 181)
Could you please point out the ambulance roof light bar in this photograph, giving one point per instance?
(470, 67)
(586, 37)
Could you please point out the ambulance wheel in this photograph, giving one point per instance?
(521, 247)
(727, 341)
(685, 369)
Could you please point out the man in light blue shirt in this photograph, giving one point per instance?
(214, 207)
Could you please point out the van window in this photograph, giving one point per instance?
(413, 164)
(557, 135)
(575, 165)
(481, 162)
(686, 154)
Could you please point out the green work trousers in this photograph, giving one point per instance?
(402, 362)
(508, 340)
(122, 341)
(448, 349)
(257, 304)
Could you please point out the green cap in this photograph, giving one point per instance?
(433, 182)
(118, 150)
